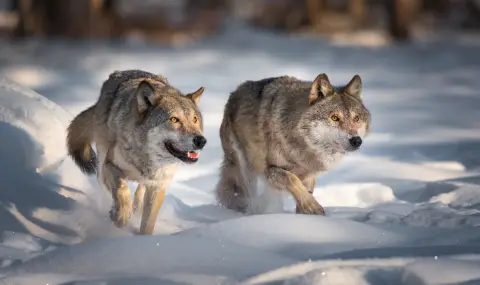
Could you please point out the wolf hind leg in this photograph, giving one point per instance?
(152, 202)
(229, 192)
(113, 180)
(232, 190)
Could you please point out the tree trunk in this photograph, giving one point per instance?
(314, 9)
(65, 18)
(358, 11)
(401, 15)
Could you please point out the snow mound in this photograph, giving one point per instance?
(354, 194)
(432, 271)
(167, 258)
(32, 125)
(39, 184)
(251, 249)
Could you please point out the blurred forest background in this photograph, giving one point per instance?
(184, 21)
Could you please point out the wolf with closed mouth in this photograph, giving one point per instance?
(283, 131)
(143, 128)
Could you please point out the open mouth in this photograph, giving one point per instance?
(185, 156)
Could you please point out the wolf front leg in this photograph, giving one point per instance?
(309, 185)
(112, 179)
(138, 199)
(152, 202)
(280, 178)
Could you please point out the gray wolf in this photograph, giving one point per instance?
(143, 128)
(283, 132)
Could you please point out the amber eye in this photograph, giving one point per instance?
(195, 119)
(356, 119)
(334, 118)
(174, 120)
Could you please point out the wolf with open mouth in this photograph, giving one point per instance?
(143, 128)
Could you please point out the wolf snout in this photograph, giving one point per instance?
(199, 142)
(356, 142)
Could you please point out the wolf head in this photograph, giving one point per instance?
(336, 121)
(171, 123)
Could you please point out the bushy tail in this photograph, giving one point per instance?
(79, 139)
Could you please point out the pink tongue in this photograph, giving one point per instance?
(192, 154)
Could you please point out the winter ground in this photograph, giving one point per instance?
(403, 210)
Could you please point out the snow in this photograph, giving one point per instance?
(405, 209)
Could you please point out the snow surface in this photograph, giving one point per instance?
(403, 210)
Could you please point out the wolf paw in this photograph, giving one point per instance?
(120, 217)
(310, 207)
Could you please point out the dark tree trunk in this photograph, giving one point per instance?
(401, 14)
(358, 12)
(63, 18)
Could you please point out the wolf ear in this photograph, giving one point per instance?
(321, 87)
(195, 96)
(145, 96)
(354, 87)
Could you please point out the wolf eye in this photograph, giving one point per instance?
(356, 119)
(195, 119)
(174, 120)
(334, 118)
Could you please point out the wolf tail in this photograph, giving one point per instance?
(79, 141)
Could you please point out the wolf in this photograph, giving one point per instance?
(143, 128)
(283, 132)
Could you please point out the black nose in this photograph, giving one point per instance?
(199, 142)
(356, 142)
